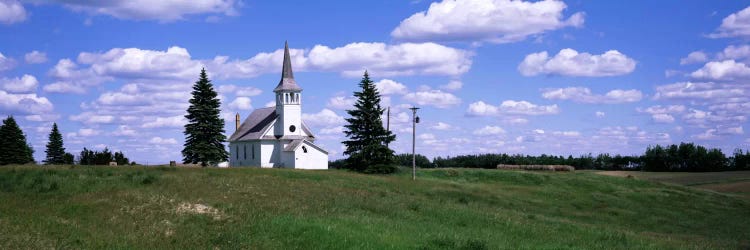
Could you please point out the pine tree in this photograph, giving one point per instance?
(367, 139)
(13, 146)
(55, 150)
(204, 133)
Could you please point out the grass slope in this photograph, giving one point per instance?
(103, 207)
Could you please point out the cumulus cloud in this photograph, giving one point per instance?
(512, 107)
(241, 103)
(324, 118)
(64, 87)
(246, 91)
(698, 90)
(159, 140)
(341, 102)
(178, 121)
(453, 85)
(434, 98)
(164, 11)
(35, 57)
(741, 52)
(723, 70)
(11, 11)
(390, 87)
(694, 57)
(584, 95)
(25, 84)
(86, 132)
(6, 63)
(490, 130)
(600, 114)
(735, 25)
(663, 114)
(24, 103)
(442, 126)
(495, 21)
(569, 62)
(92, 118)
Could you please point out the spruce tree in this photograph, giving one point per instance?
(55, 150)
(367, 139)
(204, 133)
(13, 146)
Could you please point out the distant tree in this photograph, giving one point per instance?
(13, 146)
(121, 159)
(204, 133)
(55, 150)
(68, 159)
(406, 160)
(367, 143)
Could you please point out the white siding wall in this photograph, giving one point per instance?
(267, 154)
(313, 159)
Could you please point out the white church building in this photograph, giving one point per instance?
(276, 137)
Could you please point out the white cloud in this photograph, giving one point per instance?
(490, 130)
(162, 141)
(735, 52)
(35, 57)
(92, 118)
(569, 62)
(495, 21)
(125, 130)
(599, 114)
(512, 107)
(694, 57)
(325, 118)
(6, 63)
(341, 102)
(453, 85)
(241, 103)
(724, 70)
(134, 63)
(567, 133)
(663, 114)
(434, 98)
(584, 95)
(64, 87)
(164, 11)
(85, 132)
(698, 90)
(161, 122)
(11, 11)
(24, 103)
(247, 91)
(426, 136)
(25, 84)
(332, 131)
(390, 87)
(735, 25)
(442, 126)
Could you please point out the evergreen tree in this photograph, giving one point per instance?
(55, 150)
(367, 139)
(13, 146)
(204, 133)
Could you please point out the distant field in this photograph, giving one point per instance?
(732, 182)
(148, 208)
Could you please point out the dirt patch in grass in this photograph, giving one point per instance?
(730, 187)
(197, 208)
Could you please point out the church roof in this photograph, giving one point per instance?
(296, 143)
(258, 122)
(287, 82)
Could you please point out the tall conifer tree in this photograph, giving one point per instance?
(13, 146)
(55, 150)
(367, 139)
(204, 133)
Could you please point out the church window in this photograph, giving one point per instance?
(244, 151)
(292, 128)
(253, 151)
(304, 149)
(236, 152)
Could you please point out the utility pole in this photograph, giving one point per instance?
(388, 122)
(414, 122)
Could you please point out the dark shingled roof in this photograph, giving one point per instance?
(255, 124)
(258, 121)
(287, 82)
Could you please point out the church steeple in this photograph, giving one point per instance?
(287, 83)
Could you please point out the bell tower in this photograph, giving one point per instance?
(288, 101)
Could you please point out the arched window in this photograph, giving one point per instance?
(304, 149)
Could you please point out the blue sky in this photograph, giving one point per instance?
(490, 76)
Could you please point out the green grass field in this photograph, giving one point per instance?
(136, 207)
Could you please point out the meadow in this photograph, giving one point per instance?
(162, 207)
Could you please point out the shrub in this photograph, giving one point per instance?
(380, 169)
(536, 167)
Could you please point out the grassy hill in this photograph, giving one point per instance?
(126, 207)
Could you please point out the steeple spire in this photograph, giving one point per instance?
(286, 71)
(287, 82)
